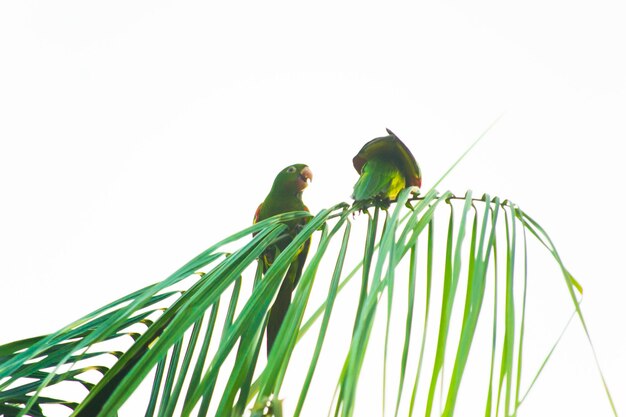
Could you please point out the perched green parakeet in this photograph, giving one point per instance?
(285, 196)
(386, 167)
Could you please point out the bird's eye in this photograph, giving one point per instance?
(291, 170)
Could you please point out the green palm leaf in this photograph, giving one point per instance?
(203, 361)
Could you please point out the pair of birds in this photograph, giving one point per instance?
(386, 167)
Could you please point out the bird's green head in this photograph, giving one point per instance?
(292, 179)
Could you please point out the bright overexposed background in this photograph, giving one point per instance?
(135, 134)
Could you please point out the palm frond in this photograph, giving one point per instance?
(201, 361)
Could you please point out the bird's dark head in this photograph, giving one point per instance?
(293, 179)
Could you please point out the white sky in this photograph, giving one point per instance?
(135, 134)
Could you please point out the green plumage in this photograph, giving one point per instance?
(285, 196)
(379, 179)
(386, 167)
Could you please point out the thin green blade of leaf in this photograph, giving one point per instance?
(370, 241)
(247, 354)
(475, 296)
(494, 339)
(571, 284)
(329, 303)
(429, 275)
(359, 343)
(408, 323)
(170, 377)
(182, 372)
(520, 348)
(451, 273)
(156, 388)
(506, 362)
(547, 358)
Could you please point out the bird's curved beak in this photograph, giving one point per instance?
(306, 176)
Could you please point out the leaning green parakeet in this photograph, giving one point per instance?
(285, 196)
(386, 167)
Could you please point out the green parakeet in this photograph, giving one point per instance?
(386, 167)
(285, 196)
